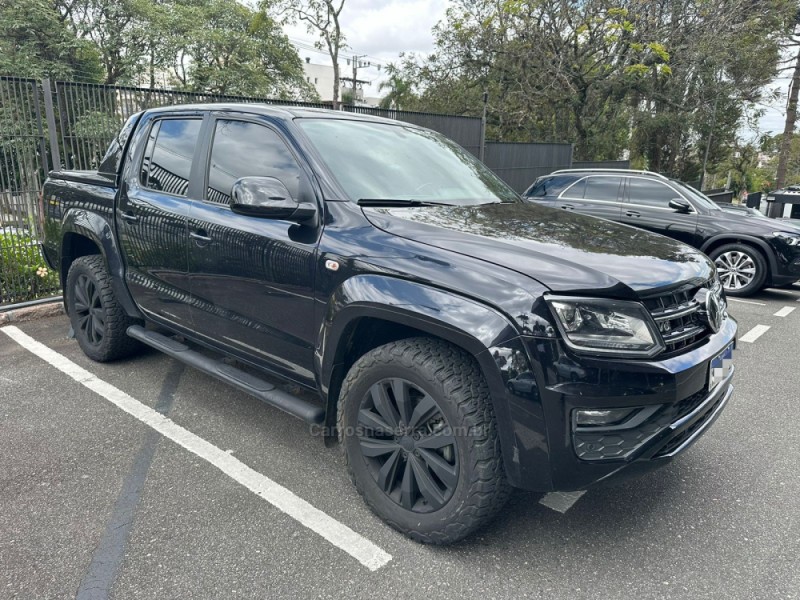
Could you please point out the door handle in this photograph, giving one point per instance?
(200, 236)
(128, 216)
(568, 206)
(632, 213)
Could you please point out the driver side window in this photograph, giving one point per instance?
(650, 193)
(245, 149)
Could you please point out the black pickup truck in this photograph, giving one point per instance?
(460, 342)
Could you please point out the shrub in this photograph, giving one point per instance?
(23, 272)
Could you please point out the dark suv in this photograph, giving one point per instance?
(751, 252)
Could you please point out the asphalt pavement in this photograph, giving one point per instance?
(146, 479)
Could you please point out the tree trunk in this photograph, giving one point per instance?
(335, 59)
(776, 210)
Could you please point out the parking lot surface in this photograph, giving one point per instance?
(146, 479)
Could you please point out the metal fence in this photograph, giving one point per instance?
(519, 164)
(89, 115)
(23, 165)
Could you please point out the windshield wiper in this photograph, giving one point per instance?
(398, 202)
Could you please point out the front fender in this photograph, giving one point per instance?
(477, 328)
(734, 238)
(99, 228)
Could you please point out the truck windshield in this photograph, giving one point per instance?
(378, 161)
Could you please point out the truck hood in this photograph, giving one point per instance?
(562, 250)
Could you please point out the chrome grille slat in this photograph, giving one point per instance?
(677, 316)
(680, 335)
(675, 312)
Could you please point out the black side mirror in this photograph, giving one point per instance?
(680, 205)
(268, 198)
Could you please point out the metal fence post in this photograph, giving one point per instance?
(38, 111)
(483, 127)
(50, 116)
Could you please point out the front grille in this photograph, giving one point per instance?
(678, 319)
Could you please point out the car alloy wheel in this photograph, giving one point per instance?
(736, 269)
(408, 446)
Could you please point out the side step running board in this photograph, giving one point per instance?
(255, 386)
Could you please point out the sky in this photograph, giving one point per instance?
(382, 29)
(775, 115)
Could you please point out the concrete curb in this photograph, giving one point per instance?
(19, 315)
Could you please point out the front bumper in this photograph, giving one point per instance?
(787, 262)
(673, 393)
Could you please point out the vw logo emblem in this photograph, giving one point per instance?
(711, 309)
(713, 312)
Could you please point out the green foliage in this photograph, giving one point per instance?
(770, 146)
(228, 48)
(23, 273)
(35, 42)
(348, 98)
(653, 77)
(401, 90)
(220, 46)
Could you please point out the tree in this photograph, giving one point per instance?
(321, 18)
(219, 46)
(401, 90)
(722, 55)
(791, 116)
(553, 69)
(660, 79)
(225, 47)
(34, 42)
(119, 29)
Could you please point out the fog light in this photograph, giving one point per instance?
(609, 416)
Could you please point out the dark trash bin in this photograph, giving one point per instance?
(754, 200)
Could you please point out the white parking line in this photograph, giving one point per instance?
(785, 311)
(338, 534)
(745, 301)
(755, 333)
(560, 501)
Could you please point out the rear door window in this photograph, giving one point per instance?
(168, 156)
(603, 188)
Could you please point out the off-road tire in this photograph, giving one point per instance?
(112, 341)
(453, 379)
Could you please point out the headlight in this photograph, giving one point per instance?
(600, 326)
(793, 239)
